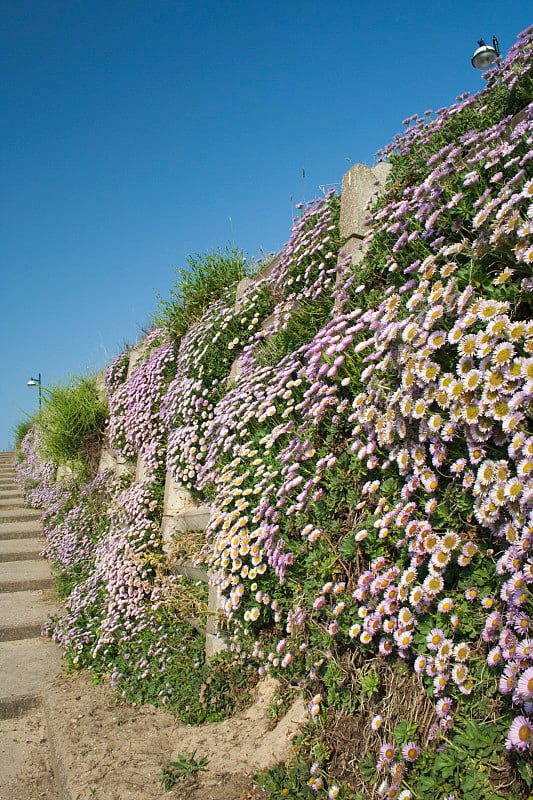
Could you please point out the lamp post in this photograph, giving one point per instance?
(485, 55)
(37, 382)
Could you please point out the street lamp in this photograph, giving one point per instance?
(485, 55)
(37, 382)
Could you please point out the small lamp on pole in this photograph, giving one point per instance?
(485, 55)
(37, 382)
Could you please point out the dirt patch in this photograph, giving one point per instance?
(25, 768)
(102, 747)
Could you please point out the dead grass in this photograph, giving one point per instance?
(349, 737)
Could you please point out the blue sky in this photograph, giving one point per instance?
(136, 133)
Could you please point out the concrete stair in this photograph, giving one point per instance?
(28, 662)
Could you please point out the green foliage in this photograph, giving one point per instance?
(206, 279)
(72, 421)
(470, 762)
(21, 429)
(185, 767)
(305, 321)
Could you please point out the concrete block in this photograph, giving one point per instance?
(135, 356)
(358, 188)
(214, 605)
(22, 614)
(19, 514)
(190, 570)
(195, 518)
(28, 529)
(213, 645)
(141, 471)
(269, 322)
(111, 460)
(264, 272)
(64, 472)
(100, 386)
(241, 290)
(353, 248)
(167, 534)
(176, 497)
(235, 371)
(11, 502)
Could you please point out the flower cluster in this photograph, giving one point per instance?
(134, 426)
(364, 437)
(35, 474)
(203, 361)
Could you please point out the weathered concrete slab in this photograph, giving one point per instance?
(20, 549)
(26, 667)
(22, 614)
(19, 576)
(22, 529)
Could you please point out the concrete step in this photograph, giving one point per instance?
(6, 494)
(26, 667)
(19, 576)
(11, 503)
(22, 614)
(20, 530)
(20, 550)
(19, 514)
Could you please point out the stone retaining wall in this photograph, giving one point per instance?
(181, 513)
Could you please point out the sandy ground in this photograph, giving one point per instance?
(101, 747)
(25, 768)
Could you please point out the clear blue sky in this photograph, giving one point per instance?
(134, 133)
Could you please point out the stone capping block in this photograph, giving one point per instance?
(358, 188)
